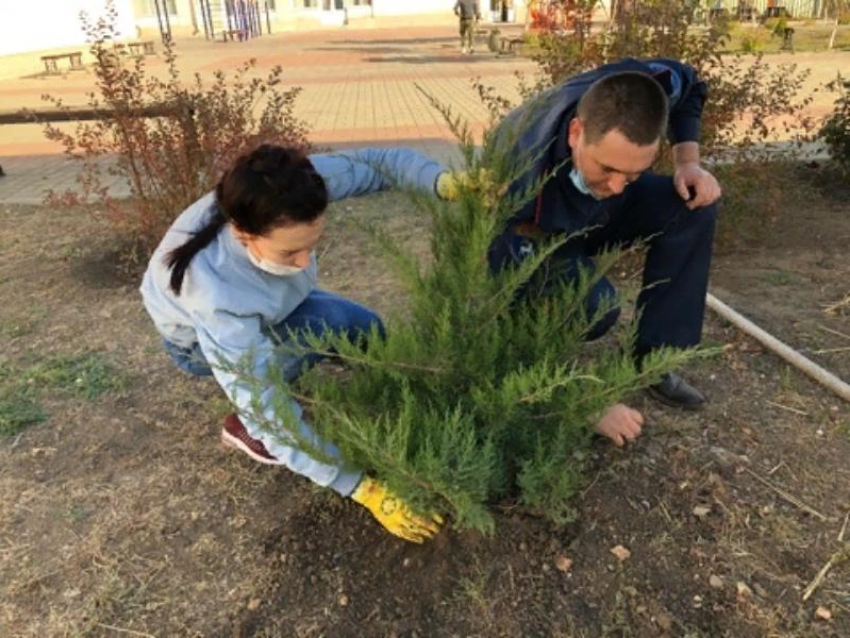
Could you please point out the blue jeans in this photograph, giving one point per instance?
(675, 275)
(321, 312)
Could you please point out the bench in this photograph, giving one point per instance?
(141, 48)
(136, 49)
(502, 46)
(234, 34)
(51, 66)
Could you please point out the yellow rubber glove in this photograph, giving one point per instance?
(393, 513)
(449, 185)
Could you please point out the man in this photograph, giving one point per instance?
(469, 13)
(600, 132)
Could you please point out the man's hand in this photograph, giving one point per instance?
(705, 186)
(393, 513)
(620, 423)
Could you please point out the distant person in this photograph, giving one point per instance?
(469, 13)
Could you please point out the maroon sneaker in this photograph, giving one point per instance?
(234, 435)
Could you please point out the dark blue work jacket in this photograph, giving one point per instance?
(537, 133)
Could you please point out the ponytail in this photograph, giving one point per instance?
(178, 259)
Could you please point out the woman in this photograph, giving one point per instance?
(236, 273)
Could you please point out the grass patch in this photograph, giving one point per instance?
(84, 375)
(18, 413)
(760, 39)
(779, 278)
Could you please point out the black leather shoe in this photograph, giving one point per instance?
(674, 390)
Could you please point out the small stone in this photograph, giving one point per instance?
(715, 581)
(823, 613)
(405, 562)
(701, 511)
(563, 563)
(523, 547)
(254, 604)
(743, 589)
(664, 621)
(546, 567)
(343, 601)
(621, 553)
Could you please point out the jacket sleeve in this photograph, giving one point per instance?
(368, 170)
(687, 97)
(228, 338)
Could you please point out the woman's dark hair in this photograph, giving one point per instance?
(265, 189)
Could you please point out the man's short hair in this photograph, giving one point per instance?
(630, 102)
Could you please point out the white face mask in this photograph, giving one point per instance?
(279, 270)
(577, 178)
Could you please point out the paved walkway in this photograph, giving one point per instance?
(360, 87)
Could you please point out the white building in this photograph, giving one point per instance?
(37, 25)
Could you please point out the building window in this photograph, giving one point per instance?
(147, 8)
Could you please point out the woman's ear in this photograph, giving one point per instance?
(241, 236)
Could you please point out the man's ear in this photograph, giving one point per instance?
(575, 132)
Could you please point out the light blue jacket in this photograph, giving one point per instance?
(227, 305)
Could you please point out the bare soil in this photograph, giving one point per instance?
(125, 516)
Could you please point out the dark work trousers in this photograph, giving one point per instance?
(467, 33)
(675, 276)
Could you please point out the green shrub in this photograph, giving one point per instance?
(836, 131)
(474, 396)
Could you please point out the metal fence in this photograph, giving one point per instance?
(757, 8)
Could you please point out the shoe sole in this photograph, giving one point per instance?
(694, 407)
(231, 441)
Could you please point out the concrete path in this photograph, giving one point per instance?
(360, 87)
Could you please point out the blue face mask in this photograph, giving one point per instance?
(577, 178)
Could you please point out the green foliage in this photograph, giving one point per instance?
(478, 393)
(836, 131)
(17, 413)
(171, 160)
(82, 375)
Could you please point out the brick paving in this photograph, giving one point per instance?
(360, 88)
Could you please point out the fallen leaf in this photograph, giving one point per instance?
(743, 589)
(664, 621)
(621, 553)
(701, 511)
(563, 563)
(823, 613)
